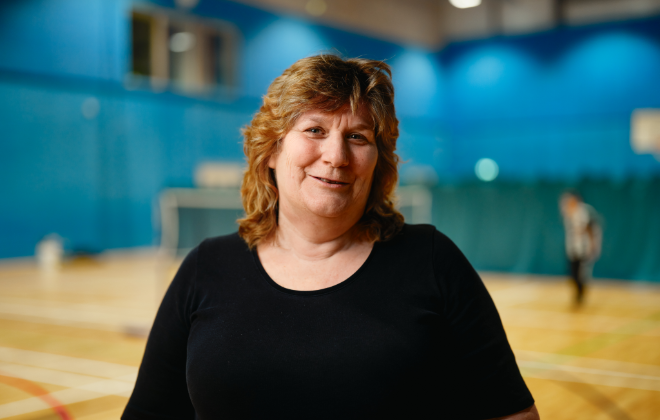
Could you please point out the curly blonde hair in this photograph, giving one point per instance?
(323, 82)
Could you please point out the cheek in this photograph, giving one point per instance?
(295, 157)
(301, 156)
(366, 162)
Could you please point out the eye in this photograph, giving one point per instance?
(358, 137)
(315, 130)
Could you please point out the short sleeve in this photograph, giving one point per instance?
(488, 383)
(161, 391)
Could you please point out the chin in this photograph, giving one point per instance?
(329, 208)
(328, 212)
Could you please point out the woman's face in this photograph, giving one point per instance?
(325, 165)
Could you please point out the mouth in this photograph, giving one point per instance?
(330, 181)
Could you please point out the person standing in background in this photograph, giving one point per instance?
(583, 239)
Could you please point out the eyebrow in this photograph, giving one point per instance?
(363, 127)
(321, 120)
(318, 120)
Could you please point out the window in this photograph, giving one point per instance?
(181, 52)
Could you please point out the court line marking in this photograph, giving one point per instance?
(601, 372)
(48, 376)
(105, 317)
(601, 380)
(65, 396)
(86, 379)
(589, 362)
(602, 324)
(568, 368)
(81, 387)
(66, 363)
(39, 392)
(596, 398)
(116, 386)
(624, 332)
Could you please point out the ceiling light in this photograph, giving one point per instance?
(464, 4)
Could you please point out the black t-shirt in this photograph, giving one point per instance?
(412, 334)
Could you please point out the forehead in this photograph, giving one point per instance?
(361, 119)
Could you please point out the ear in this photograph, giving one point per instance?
(272, 160)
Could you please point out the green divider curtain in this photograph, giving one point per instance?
(518, 228)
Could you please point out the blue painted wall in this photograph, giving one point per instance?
(551, 107)
(94, 181)
(556, 105)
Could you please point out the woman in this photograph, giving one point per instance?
(325, 305)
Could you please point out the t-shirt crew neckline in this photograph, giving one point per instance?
(350, 280)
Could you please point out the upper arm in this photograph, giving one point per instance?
(488, 382)
(530, 413)
(161, 389)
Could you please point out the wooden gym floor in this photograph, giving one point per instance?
(71, 340)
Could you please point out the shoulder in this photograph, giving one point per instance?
(415, 238)
(448, 263)
(221, 257)
(225, 245)
(424, 243)
(412, 244)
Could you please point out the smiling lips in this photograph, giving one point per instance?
(330, 181)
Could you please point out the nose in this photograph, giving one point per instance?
(335, 150)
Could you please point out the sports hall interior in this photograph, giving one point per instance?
(121, 150)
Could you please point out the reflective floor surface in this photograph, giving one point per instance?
(71, 339)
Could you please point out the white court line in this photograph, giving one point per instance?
(48, 376)
(619, 374)
(82, 376)
(70, 380)
(589, 362)
(592, 379)
(106, 317)
(65, 363)
(66, 397)
(533, 318)
(577, 369)
(86, 388)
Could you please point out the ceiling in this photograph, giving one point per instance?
(433, 23)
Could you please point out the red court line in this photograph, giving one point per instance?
(37, 391)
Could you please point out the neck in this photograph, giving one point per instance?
(315, 238)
